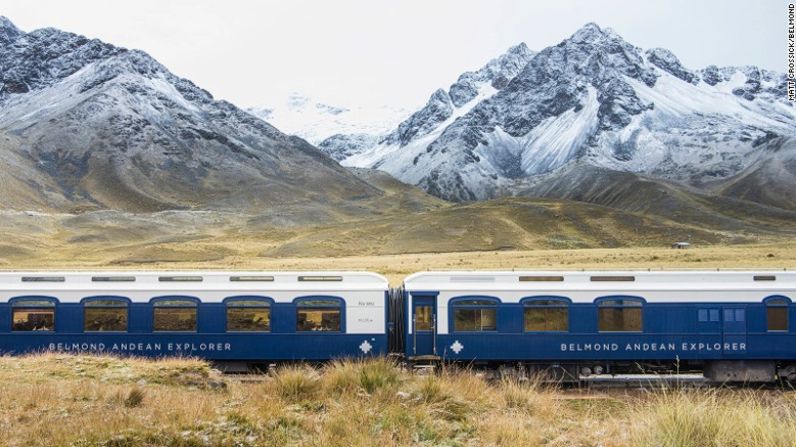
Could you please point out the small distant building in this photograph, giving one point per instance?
(681, 245)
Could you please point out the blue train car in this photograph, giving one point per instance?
(731, 325)
(234, 317)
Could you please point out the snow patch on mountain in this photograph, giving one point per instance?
(548, 146)
(390, 155)
(693, 134)
(315, 120)
(406, 140)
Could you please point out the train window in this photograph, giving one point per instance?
(474, 315)
(604, 278)
(318, 314)
(33, 314)
(777, 314)
(43, 279)
(620, 315)
(310, 278)
(251, 278)
(705, 315)
(542, 315)
(180, 279)
(765, 278)
(423, 318)
(734, 315)
(541, 278)
(113, 278)
(175, 314)
(248, 315)
(105, 314)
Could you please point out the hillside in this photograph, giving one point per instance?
(85, 125)
(662, 199)
(232, 240)
(769, 180)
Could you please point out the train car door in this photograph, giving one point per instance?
(734, 328)
(424, 325)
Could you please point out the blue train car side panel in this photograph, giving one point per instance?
(209, 341)
(680, 316)
(311, 316)
(254, 348)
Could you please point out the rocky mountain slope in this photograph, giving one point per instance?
(442, 108)
(87, 125)
(594, 100)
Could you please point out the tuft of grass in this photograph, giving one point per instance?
(341, 376)
(369, 375)
(529, 396)
(715, 418)
(296, 382)
(440, 394)
(378, 374)
(135, 398)
(429, 389)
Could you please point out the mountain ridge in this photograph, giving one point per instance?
(87, 125)
(592, 97)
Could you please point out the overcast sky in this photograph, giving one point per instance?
(392, 52)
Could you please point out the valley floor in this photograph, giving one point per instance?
(771, 255)
(395, 267)
(497, 234)
(64, 400)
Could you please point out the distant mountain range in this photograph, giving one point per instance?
(87, 125)
(558, 122)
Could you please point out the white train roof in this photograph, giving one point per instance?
(599, 280)
(191, 280)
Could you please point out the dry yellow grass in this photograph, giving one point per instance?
(527, 232)
(64, 400)
(765, 255)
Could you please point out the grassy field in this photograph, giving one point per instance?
(63, 400)
(770, 255)
(531, 231)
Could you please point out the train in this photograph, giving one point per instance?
(731, 326)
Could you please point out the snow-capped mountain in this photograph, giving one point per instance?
(85, 124)
(316, 120)
(595, 99)
(442, 108)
